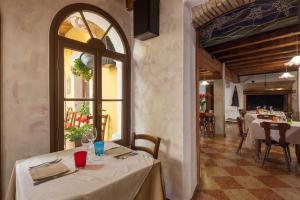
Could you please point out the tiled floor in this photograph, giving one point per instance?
(226, 175)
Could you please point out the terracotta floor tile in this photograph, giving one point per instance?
(217, 194)
(249, 182)
(240, 194)
(242, 162)
(288, 193)
(255, 171)
(210, 163)
(273, 170)
(227, 182)
(215, 156)
(272, 182)
(265, 194)
(236, 171)
(291, 180)
(224, 162)
(209, 184)
(214, 171)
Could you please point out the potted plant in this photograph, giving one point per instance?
(75, 134)
(202, 101)
(81, 69)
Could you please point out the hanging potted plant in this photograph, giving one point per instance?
(81, 69)
(75, 134)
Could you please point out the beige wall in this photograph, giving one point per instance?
(163, 69)
(25, 28)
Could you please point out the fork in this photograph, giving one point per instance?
(46, 163)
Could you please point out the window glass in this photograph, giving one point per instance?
(111, 79)
(78, 74)
(116, 40)
(73, 27)
(97, 24)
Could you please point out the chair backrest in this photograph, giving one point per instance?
(242, 112)
(202, 119)
(265, 117)
(281, 127)
(240, 121)
(150, 138)
(209, 117)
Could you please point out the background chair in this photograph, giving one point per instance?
(282, 128)
(242, 132)
(150, 138)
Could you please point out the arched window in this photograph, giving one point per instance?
(89, 76)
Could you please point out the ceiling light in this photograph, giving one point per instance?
(204, 83)
(294, 61)
(286, 75)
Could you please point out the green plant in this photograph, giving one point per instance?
(85, 109)
(77, 133)
(82, 70)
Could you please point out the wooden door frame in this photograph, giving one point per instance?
(53, 68)
(1, 79)
(197, 80)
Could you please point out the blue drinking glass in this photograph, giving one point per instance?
(99, 148)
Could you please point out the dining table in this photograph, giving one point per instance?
(256, 135)
(137, 177)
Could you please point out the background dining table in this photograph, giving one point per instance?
(257, 133)
(136, 177)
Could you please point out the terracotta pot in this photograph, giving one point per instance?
(77, 143)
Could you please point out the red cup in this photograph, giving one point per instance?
(80, 159)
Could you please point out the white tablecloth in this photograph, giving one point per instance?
(109, 178)
(251, 115)
(256, 132)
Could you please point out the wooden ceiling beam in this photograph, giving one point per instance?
(262, 69)
(205, 61)
(258, 50)
(262, 65)
(259, 61)
(286, 32)
(267, 55)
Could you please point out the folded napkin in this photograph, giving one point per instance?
(47, 171)
(118, 151)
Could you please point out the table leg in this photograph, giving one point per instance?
(257, 149)
(297, 151)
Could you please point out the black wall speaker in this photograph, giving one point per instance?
(146, 19)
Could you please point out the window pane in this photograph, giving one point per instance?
(78, 74)
(111, 79)
(116, 41)
(76, 115)
(97, 24)
(74, 28)
(112, 129)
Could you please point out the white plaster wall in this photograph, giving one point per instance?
(219, 106)
(163, 78)
(25, 27)
(189, 104)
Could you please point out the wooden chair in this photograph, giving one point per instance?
(242, 112)
(282, 128)
(202, 123)
(210, 123)
(154, 140)
(270, 117)
(243, 134)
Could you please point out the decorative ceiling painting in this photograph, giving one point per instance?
(257, 17)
